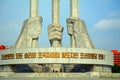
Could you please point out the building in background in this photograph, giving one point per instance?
(116, 57)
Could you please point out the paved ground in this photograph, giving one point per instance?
(58, 79)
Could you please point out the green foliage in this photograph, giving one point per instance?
(116, 69)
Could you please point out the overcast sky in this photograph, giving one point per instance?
(102, 18)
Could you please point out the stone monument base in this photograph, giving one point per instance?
(88, 75)
(56, 60)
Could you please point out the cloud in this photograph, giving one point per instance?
(114, 14)
(13, 25)
(108, 30)
(111, 21)
(106, 24)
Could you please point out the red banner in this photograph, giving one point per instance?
(2, 47)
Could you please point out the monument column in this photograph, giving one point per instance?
(55, 12)
(55, 32)
(77, 29)
(55, 29)
(55, 19)
(74, 8)
(74, 15)
(33, 8)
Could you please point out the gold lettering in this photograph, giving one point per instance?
(40, 55)
(7, 56)
(69, 55)
(30, 55)
(101, 56)
(82, 55)
(19, 55)
(49, 54)
(88, 56)
(54, 55)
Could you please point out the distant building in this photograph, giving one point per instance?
(116, 57)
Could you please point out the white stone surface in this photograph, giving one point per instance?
(55, 12)
(33, 8)
(55, 35)
(78, 33)
(107, 61)
(30, 32)
(95, 74)
(79, 36)
(74, 10)
(59, 76)
(55, 30)
(31, 28)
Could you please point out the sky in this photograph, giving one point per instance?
(102, 18)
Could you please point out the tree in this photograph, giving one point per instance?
(116, 69)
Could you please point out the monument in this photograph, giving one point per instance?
(31, 28)
(81, 56)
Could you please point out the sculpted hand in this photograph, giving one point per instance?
(55, 32)
(34, 27)
(70, 25)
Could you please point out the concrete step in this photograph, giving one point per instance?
(57, 79)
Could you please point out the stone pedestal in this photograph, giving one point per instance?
(107, 69)
(97, 68)
(5, 68)
(102, 68)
